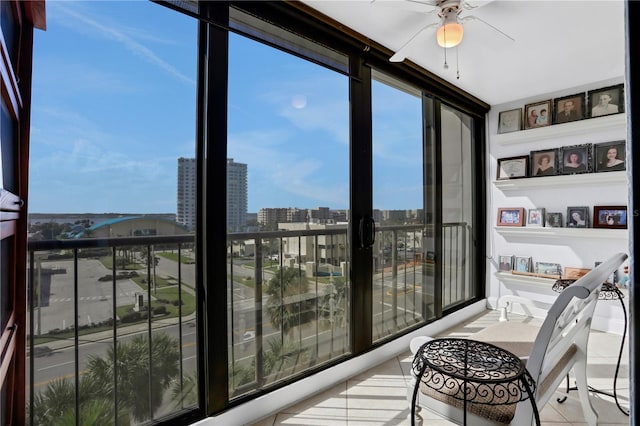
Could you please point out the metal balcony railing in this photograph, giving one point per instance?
(112, 334)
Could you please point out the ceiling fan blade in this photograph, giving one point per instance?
(399, 56)
(474, 4)
(475, 18)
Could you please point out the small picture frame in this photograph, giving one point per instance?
(606, 101)
(513, 167)
(548, 268)
(544, 162)
(505, 263)
(535, 217)
(577, 217)
(576, 159)
(537, 114)
(510, 121)
(609, 156)
(553, 220)
(612, 217)
(522, 264)
(571, 273)
(513, 216)
(569, 108)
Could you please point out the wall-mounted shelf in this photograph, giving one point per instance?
(574, 128)
(562, 180)
(547, 233)
(507, 277)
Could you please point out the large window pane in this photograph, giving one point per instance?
(113, 306)
(402, 278)
(457, 207)
(288, 281)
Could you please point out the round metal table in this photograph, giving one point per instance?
(473, 372)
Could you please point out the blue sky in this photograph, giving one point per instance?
(114, 92)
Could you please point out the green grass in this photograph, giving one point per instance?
(107, 261)
(167, 293)
(174, 256)
(160, 281)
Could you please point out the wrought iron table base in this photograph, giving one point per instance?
(477, 372)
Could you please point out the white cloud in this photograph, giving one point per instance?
(119, 35)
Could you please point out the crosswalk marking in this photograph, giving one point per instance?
(89, 298)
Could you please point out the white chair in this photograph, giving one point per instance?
(550, 352)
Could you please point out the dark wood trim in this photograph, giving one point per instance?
(25, 74)
(36, 12)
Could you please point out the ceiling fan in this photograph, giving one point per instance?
(450, 29)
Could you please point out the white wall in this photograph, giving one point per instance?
(570, 247)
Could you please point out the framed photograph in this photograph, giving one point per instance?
(576, 159)
(553, 220)
(571, 273)
(569, 108)
(606, 101)
(513, 167)
(537, 114)
(535, 217)
(510, 121)
(612, 217)
(544, 162)
(609, 156)
(522, 264)
(511, 216)
(505, 263)
(548, 268)
(577, 217)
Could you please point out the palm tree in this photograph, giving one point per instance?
(56, 405)
(139, 393)
(285, 312)
(136, 389)
(185, 393)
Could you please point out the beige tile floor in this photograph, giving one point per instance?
(378, 396)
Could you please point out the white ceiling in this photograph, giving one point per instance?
(558, 44)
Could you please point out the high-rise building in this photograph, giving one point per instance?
(236, 194)
(186, 208)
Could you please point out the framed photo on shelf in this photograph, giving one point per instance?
(553, 220)
(571, 273)
(544, 162)
(548, 268)
(513, 216)
(576, 159)
(606, 101)
(569, 108)
(612, 217)
(522, 264)
(513, 167)
(537, 114)
(510, 121)
(505, 263)
(535, 217)
(609, 156)
(578, 217)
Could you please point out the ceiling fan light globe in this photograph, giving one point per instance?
(450, 34)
